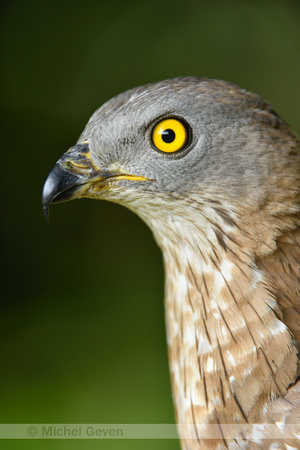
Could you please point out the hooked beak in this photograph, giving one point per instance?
(71, 171)
(74, 174)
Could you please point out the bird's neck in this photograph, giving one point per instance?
(229, 351)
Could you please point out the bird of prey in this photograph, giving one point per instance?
(214, 172)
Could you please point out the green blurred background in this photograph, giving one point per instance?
(82, 319)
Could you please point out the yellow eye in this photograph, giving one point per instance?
(170, 135)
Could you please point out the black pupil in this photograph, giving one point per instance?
(168, 136)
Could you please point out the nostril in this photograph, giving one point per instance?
(76, 166)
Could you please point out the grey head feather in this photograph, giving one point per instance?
(232, 149)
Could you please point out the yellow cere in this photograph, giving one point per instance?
(169, 135)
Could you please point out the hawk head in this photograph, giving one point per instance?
(178, 147)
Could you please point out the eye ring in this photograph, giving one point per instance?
(170, 135)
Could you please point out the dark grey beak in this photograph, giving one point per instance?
(59, 186)
(75, 174)
(72, 170)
